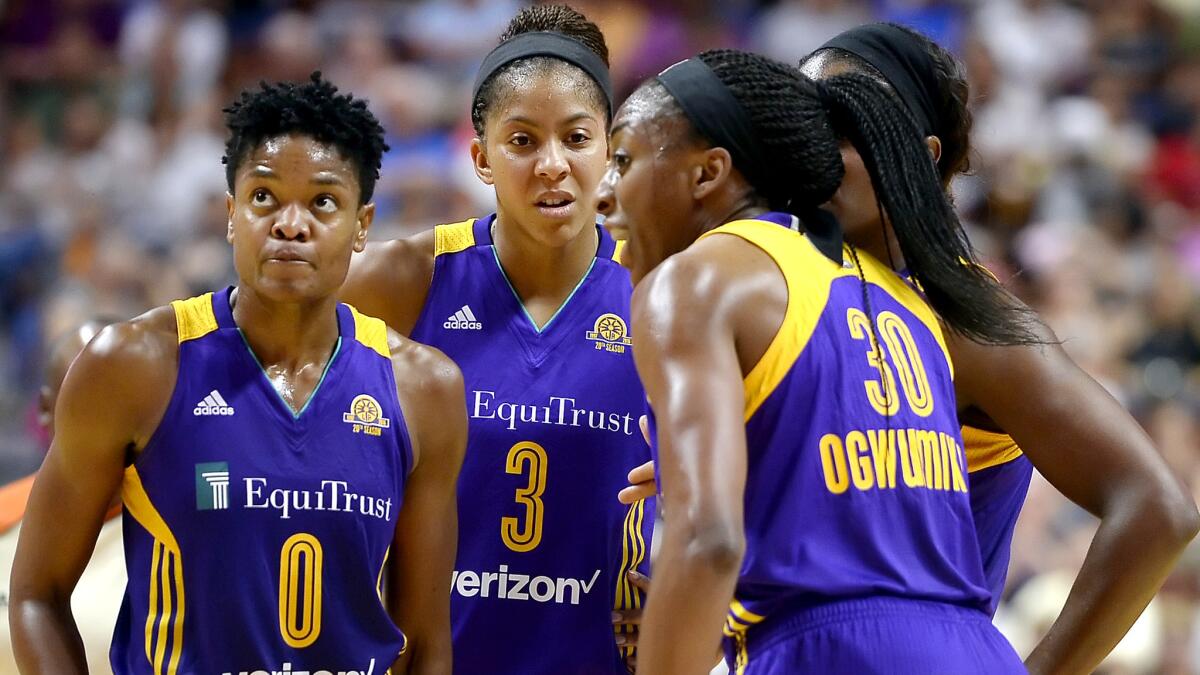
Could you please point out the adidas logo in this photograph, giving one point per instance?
(463, 319)
(213, 404)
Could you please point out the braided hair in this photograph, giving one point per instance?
(801, 123)
(314, 109)
(550, 18)
(954, 116)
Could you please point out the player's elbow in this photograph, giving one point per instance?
(31, 608)
(716, 547)
(1180, 521)
(1170, 513)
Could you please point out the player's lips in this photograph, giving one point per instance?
(287, 255)
(555, 203)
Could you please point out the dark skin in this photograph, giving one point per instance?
(703, 314)
(293, 221)
(1074, 433)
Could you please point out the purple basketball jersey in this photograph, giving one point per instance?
(255, 537)
(544, 544)
(856, 481)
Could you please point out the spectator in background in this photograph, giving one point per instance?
(794, 29)
(1084, 192)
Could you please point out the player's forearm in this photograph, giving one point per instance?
(45, 637)
(688, 602)
(1134, 550)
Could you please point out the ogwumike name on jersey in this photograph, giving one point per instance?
(866, 460)
(333, 495)
(558, 410)
(287, 670)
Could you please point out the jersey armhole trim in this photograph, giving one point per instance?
(453, 237)
(986, 449)
(807, 296)
(371, 333)
(194, 317)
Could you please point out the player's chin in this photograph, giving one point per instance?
(294, 287)
(558, 231)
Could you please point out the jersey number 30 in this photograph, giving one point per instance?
(300, 590)
(524, 535)
(903, 351)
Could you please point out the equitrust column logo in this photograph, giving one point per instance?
(212, 486)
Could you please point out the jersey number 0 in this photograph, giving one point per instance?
(300, 590)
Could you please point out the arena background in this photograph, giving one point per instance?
(1084, 194)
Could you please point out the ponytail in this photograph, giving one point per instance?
(936, 249)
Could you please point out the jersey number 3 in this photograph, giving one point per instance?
(524, 535)
(300, 590)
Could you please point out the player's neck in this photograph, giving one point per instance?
(288, 335)
(882, 245)
(721, 209)
(540, 272)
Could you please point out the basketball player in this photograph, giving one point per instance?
(1070, 428)
(277, 453)
(799, 478)
(1079, 438)
(98, 593)
(531, 304)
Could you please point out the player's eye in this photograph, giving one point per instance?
(620, 160)
(325, 204)
(578, 138)
(520, 140)
(261, 198)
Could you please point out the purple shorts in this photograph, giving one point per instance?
(874, 635)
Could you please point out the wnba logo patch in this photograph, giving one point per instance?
(366, 416)
(212, 486)
(609, 334)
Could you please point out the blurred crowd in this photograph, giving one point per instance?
(1084, 192)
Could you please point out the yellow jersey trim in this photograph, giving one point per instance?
(453, 237)
(809, 277)
(164, 618)
(737, 622)
(618, 251)
(879, 274)
(985, 449)
(194, 317)
(371, 332)
(382, 567)
(807, 296)
(633, 553)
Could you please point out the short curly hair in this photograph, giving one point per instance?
(315, 109)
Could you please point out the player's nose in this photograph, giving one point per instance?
(606, 198)
(552, 162)
(291, 223)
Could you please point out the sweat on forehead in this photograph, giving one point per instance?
(534, 76)
(314, 149)
(654, 111)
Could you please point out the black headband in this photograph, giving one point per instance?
(715, 112)
(546, 43)
(903, 62)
